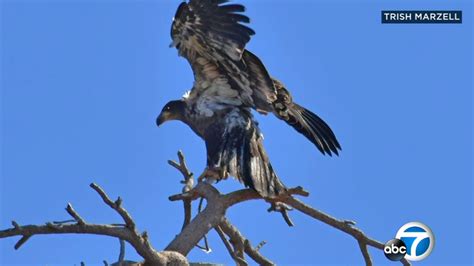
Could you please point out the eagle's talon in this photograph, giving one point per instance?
(212, 174)
(202, 177)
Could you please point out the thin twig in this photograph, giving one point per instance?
(365, 253)
(230, 249)
(22, 241)
(283, 209)
(260, 245)
(117, 206)
(65, 221)
(237, 237)
(206, 247)
(122, 250)
(74, 214)
(188, 181)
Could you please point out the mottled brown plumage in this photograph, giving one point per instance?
(229, 82)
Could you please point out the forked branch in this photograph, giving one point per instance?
(78, 225)
(213, 216)
(236, 237)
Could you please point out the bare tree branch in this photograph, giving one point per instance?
(127, 233)
(188, 182)
(22, 241)
(214, 212)
(283, 209)
(213, 216)
(203, 222)
(74, 214)
(238, 260)
(343, 225)
(365, 253)
(260, 245)
(122, 251)
(117, 206)
(237, 237)
(218, 204)
(237, 245)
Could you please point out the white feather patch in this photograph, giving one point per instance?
(186, 94)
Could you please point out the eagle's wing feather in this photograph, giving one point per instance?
(212, 36)
(210, 29)
(263, 88)
(305, 122)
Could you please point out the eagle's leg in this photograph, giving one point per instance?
(210, 174)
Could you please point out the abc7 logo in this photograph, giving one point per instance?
(395, 249)
(414, 241)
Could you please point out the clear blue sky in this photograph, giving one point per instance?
(82, 83)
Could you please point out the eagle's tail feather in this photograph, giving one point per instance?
(313, 128)
(238, 151)
(255, 168)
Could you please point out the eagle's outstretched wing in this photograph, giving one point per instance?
(304, 121)
(207, 27)
(212, 36)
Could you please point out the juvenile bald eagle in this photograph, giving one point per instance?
(229, 82)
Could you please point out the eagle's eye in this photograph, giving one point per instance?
(168, 108)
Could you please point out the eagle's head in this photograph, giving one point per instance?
(173, 110)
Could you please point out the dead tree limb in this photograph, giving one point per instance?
(213, 216)
(238, 258)
(217, 204)
(343, 225)
(188, 181)
(79, 226)
(203, 222)
(237, 237)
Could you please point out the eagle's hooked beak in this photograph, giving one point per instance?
(161, 119)
(172, 111)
